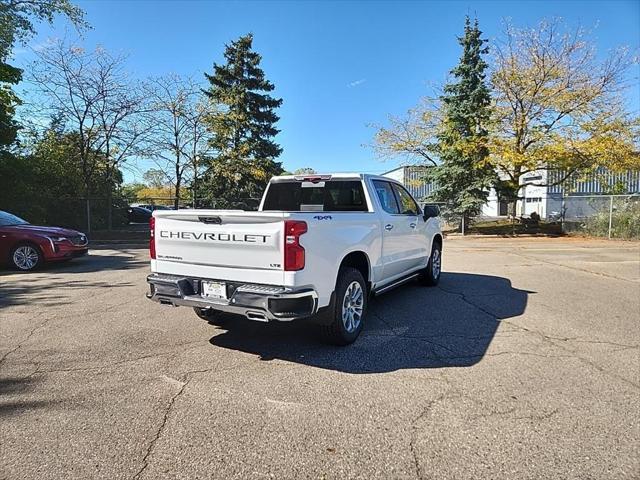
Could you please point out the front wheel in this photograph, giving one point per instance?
(349, 309)
(26, 257)
(430, 276)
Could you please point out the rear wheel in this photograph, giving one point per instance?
(349, 309)
(26, 257)
(430, 276)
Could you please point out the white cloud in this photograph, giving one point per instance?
(356, 83)
(33, 47)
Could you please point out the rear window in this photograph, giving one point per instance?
(329, 196)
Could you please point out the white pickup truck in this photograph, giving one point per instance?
(317, 248)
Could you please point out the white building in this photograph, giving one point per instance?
(574, 196)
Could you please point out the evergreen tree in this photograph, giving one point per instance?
(242, 128)
(463, 177)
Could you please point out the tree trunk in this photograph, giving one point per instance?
(176, 200)
(194, 186)
(88, 208)
(110, 210)
(513, 205)
(512, 208)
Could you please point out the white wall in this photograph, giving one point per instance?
(490, 209)
(397, 174)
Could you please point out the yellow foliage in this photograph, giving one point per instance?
(157, 196)
(557, 106)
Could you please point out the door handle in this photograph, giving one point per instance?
(412, 224)
(388, 226)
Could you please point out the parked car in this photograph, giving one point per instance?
(153, 208)
(317, 248)
(138, 215)
(26, 247)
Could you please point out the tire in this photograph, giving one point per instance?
(349, 310)
(26, 257)
(430, 276)
(208, 314)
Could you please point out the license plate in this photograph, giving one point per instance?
(214, 289)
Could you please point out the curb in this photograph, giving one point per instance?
(118, 244)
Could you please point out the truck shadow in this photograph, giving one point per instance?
(451, 325)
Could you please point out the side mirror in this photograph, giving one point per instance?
(430, 210)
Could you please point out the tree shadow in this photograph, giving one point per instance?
(11, 389)
(412, 327)
(49, 284)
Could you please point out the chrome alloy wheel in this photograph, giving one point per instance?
(435, 263)
(25, 257)
(352, 307)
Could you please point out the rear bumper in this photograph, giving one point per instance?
(256, 302)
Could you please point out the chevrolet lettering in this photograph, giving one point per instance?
(220, 237)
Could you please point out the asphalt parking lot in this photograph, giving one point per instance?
(523, 363)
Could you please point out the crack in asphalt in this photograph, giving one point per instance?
(576, 269)
(165, 418)
(532, 417)
(553, 340)
(187, 376)
(414, 429)
(497, 354)
(464, 298)
(55, 315)
(473, 356)
(422, 339)
(25, 340)
(101, 368)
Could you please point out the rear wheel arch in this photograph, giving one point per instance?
(338, 327)
(437, 240)
(360, 261)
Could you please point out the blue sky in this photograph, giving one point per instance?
(339, 66)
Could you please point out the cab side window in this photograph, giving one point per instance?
(408, 205)
(386, 196)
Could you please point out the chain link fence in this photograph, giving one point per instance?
(610, 216)
(71, 212)
(108, 213)
(607, 216)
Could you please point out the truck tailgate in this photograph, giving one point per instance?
(220, 244)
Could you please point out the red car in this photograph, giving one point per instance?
(26, 247)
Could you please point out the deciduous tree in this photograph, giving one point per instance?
(17, 26)
(558, 107)
(89, 92)
(178, 140)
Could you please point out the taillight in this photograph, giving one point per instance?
(293, 251)
(152, 237)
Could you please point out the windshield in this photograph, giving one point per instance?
(7, 220)
(329, 196)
